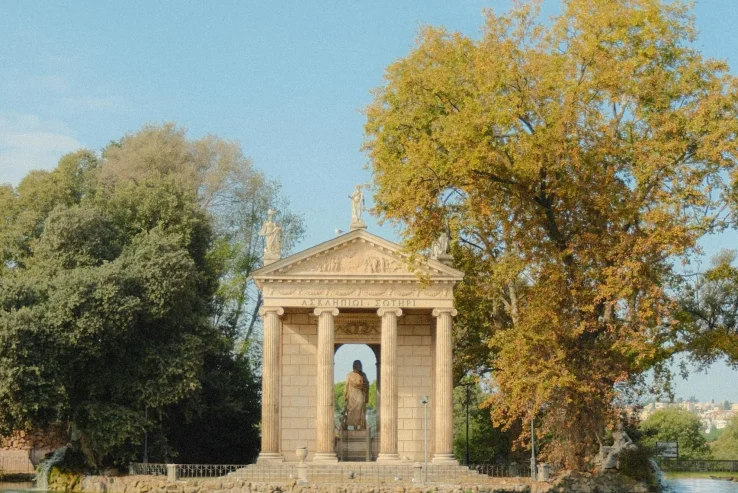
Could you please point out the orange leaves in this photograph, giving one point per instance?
(576, 165)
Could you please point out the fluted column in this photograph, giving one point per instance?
(444, 428)
(270, 384)
(325, 451)
(388, 397)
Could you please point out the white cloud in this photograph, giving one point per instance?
(28, 142)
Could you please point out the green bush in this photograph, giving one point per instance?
(636, 463)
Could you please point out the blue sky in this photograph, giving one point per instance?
(286, 79)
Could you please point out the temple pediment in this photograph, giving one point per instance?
(355, 255)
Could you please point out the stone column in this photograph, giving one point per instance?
(325, 450)
(270, 384)
(388, 398)
(444, 429)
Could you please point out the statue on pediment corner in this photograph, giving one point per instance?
(357, 207)
(272, 233)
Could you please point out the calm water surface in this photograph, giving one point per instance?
(7, 487)
(700, 485)
(681, 485)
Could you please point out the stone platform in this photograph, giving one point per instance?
(355, 446)
(361, 472)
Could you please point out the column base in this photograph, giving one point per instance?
(445, 460)
(324, 457)
(388, 458)
(267, 457)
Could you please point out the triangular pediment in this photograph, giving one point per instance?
(357, 254)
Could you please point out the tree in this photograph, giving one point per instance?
(726, 446)
(338, 390)
(372, 404)
(676, 425)
(575, 164)
(487, 443)
(118, 311)
(100, 325)
(709, 328)
(229, 187)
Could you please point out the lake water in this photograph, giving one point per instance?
(6, 487)
(680, 485)
(701, 485)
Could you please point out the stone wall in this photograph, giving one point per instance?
(22, 451)
(298, 364)
(607, 482)
(299, 384)
(566, 483)
(154, 484)
(415, 356)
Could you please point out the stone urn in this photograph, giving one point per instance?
(301, 453)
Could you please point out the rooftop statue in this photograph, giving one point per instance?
(440, 247)
(272, 233)
(357, 207)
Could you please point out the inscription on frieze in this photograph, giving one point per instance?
(356, 303)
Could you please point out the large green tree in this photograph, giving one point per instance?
(575, 164)
(118, 311)
(236, 194)
(676, 425)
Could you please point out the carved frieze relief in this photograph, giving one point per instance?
(343, 291)
(355, 258)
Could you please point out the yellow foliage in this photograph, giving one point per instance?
(574, 163)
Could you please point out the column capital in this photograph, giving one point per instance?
(271, 309)
(383, 311)
(319, 311)
(437, 312)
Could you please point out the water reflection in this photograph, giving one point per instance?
(700, 485)
(24, 487)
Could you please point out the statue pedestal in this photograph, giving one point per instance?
(355, 446)
(360, 224)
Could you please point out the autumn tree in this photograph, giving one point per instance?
(576, 163)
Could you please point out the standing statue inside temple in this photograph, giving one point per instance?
(356, 396)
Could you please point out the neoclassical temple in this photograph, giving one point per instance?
(356, 288)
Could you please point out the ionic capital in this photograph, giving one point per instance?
(319, 311)
(440, 311)
(271, 309)
(383, 311)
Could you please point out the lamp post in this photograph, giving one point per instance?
(532, 448)
(467, 386)
(146, 436)
(424, 402)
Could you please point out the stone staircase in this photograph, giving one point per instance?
(360, 472)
